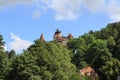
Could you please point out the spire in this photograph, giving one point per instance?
(42, 37)
(57, 31)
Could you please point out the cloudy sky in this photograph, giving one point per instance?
(22, 21)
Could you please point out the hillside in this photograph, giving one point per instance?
(99, 49)
(54, 61)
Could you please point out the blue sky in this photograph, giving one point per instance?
(23, 21)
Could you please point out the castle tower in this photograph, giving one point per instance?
(57, 35)
(62, 39)
(70, 36)
(42, 37)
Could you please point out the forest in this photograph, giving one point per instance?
(53, 61)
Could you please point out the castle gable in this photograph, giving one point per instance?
(58, 37)
(63, 39)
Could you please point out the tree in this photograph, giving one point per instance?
(1, 43)
(80, 47)
(102, 61)
(53, 60)
(11, 54)
(4, 65)
(43, 61)
(117, 50)
(111, 44)
(4, 62)
(24, 68)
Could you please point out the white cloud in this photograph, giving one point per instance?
(6, 3)
(65, 9)
(94, 5)
(69, 9)
(18, 44)
(113, 10)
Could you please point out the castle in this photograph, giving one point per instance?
(59, 37)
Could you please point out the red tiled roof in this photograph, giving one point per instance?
(70, 35)
(88, 71)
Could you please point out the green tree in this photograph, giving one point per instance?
(4, 65)
(1, 43)
(53, 60)
(102, 61)
(24, 68)
(117, 50)
(11, 54)
(111, 44)
(4, 62)
(80, 47)
(43, 61)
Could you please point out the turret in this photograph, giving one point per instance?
(42, 37)
(57, 35)
(70, 36)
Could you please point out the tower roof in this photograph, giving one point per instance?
(57, 31)
(70, 35)
(42, 37)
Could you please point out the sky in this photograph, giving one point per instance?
(23, 21)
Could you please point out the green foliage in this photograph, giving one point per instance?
(24, 68)
(1, 43)
(4, 61)
(111, 69)
(4, 65)
(100, 55)
(80, 49)
(42, 61)
(53, 60)
(100, 50)
(11, 54)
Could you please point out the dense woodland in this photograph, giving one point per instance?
(53, 61)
